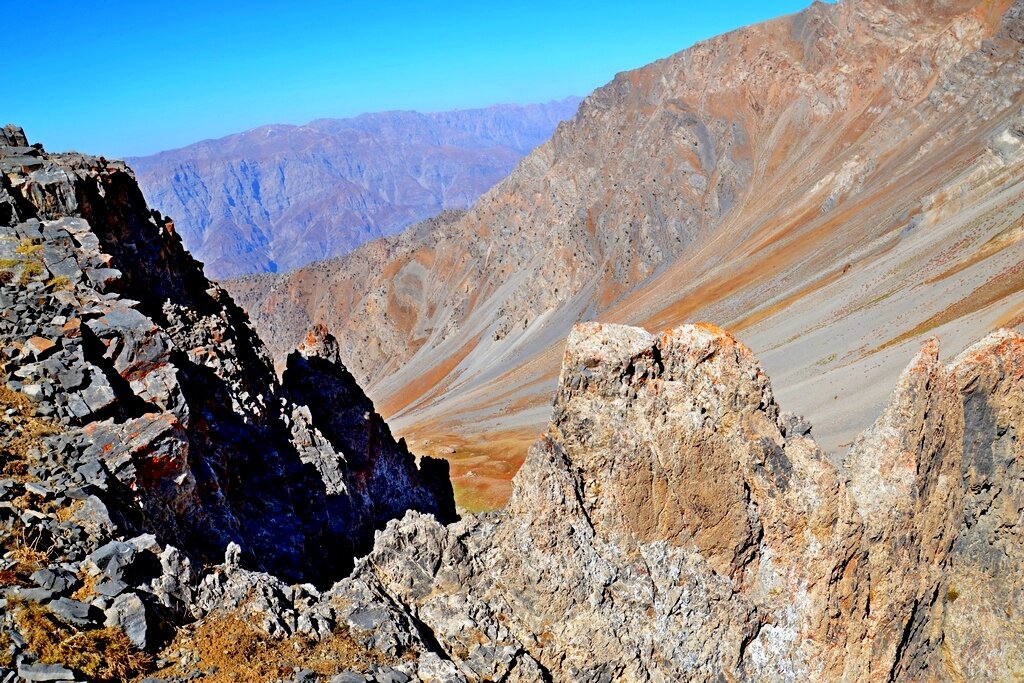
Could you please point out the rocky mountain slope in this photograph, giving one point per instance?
(672, 523)
(144, 423)
(277, 197)
(834, 186)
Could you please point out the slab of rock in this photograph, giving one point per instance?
(45, 672)
(128, 613)
(40, 347)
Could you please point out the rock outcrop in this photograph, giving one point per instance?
(937, 480)
(146, 430)
(672, 523)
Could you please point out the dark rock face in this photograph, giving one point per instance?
(372, 465)
(111, 326)
(277, 197)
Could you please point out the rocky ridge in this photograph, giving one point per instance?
(145, 429)
(672, 523)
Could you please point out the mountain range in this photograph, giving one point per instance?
(171, 510)
(833, 186)
(277, 197)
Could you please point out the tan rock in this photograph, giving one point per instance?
(673, 524)
(40, 347)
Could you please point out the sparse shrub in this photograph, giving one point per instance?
(952, 594)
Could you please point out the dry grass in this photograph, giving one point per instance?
(87, 591)
(28, 558)
(6, 658)
(29, 271)
(103, 654)
(66, 513)
(22, 434)
(16, 445)
(239, 652)
(9, 577)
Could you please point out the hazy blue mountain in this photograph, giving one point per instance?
(279, 196)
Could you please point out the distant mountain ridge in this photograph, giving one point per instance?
(279, 196)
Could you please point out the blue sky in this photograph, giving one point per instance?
(122, 78)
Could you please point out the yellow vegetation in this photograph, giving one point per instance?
(87, 591)
(29, 270)
(241, 653)
(58, 282)
(6, 658)
(103, 654)
(27, 247)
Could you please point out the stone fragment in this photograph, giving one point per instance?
(45, 672)
(54, 579)
(71, 611)
(129, 613)
(40, 347)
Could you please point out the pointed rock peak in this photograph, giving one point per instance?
(924, 364)
(13, 136)
(319, 343)
(673, 437)
(705, 358)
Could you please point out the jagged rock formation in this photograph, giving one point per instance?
(938, 482)
(675, 524)
(833, 186)
(144, 418)
(277, 197)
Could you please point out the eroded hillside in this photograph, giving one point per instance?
(834, 186)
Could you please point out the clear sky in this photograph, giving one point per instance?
(123, 78)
